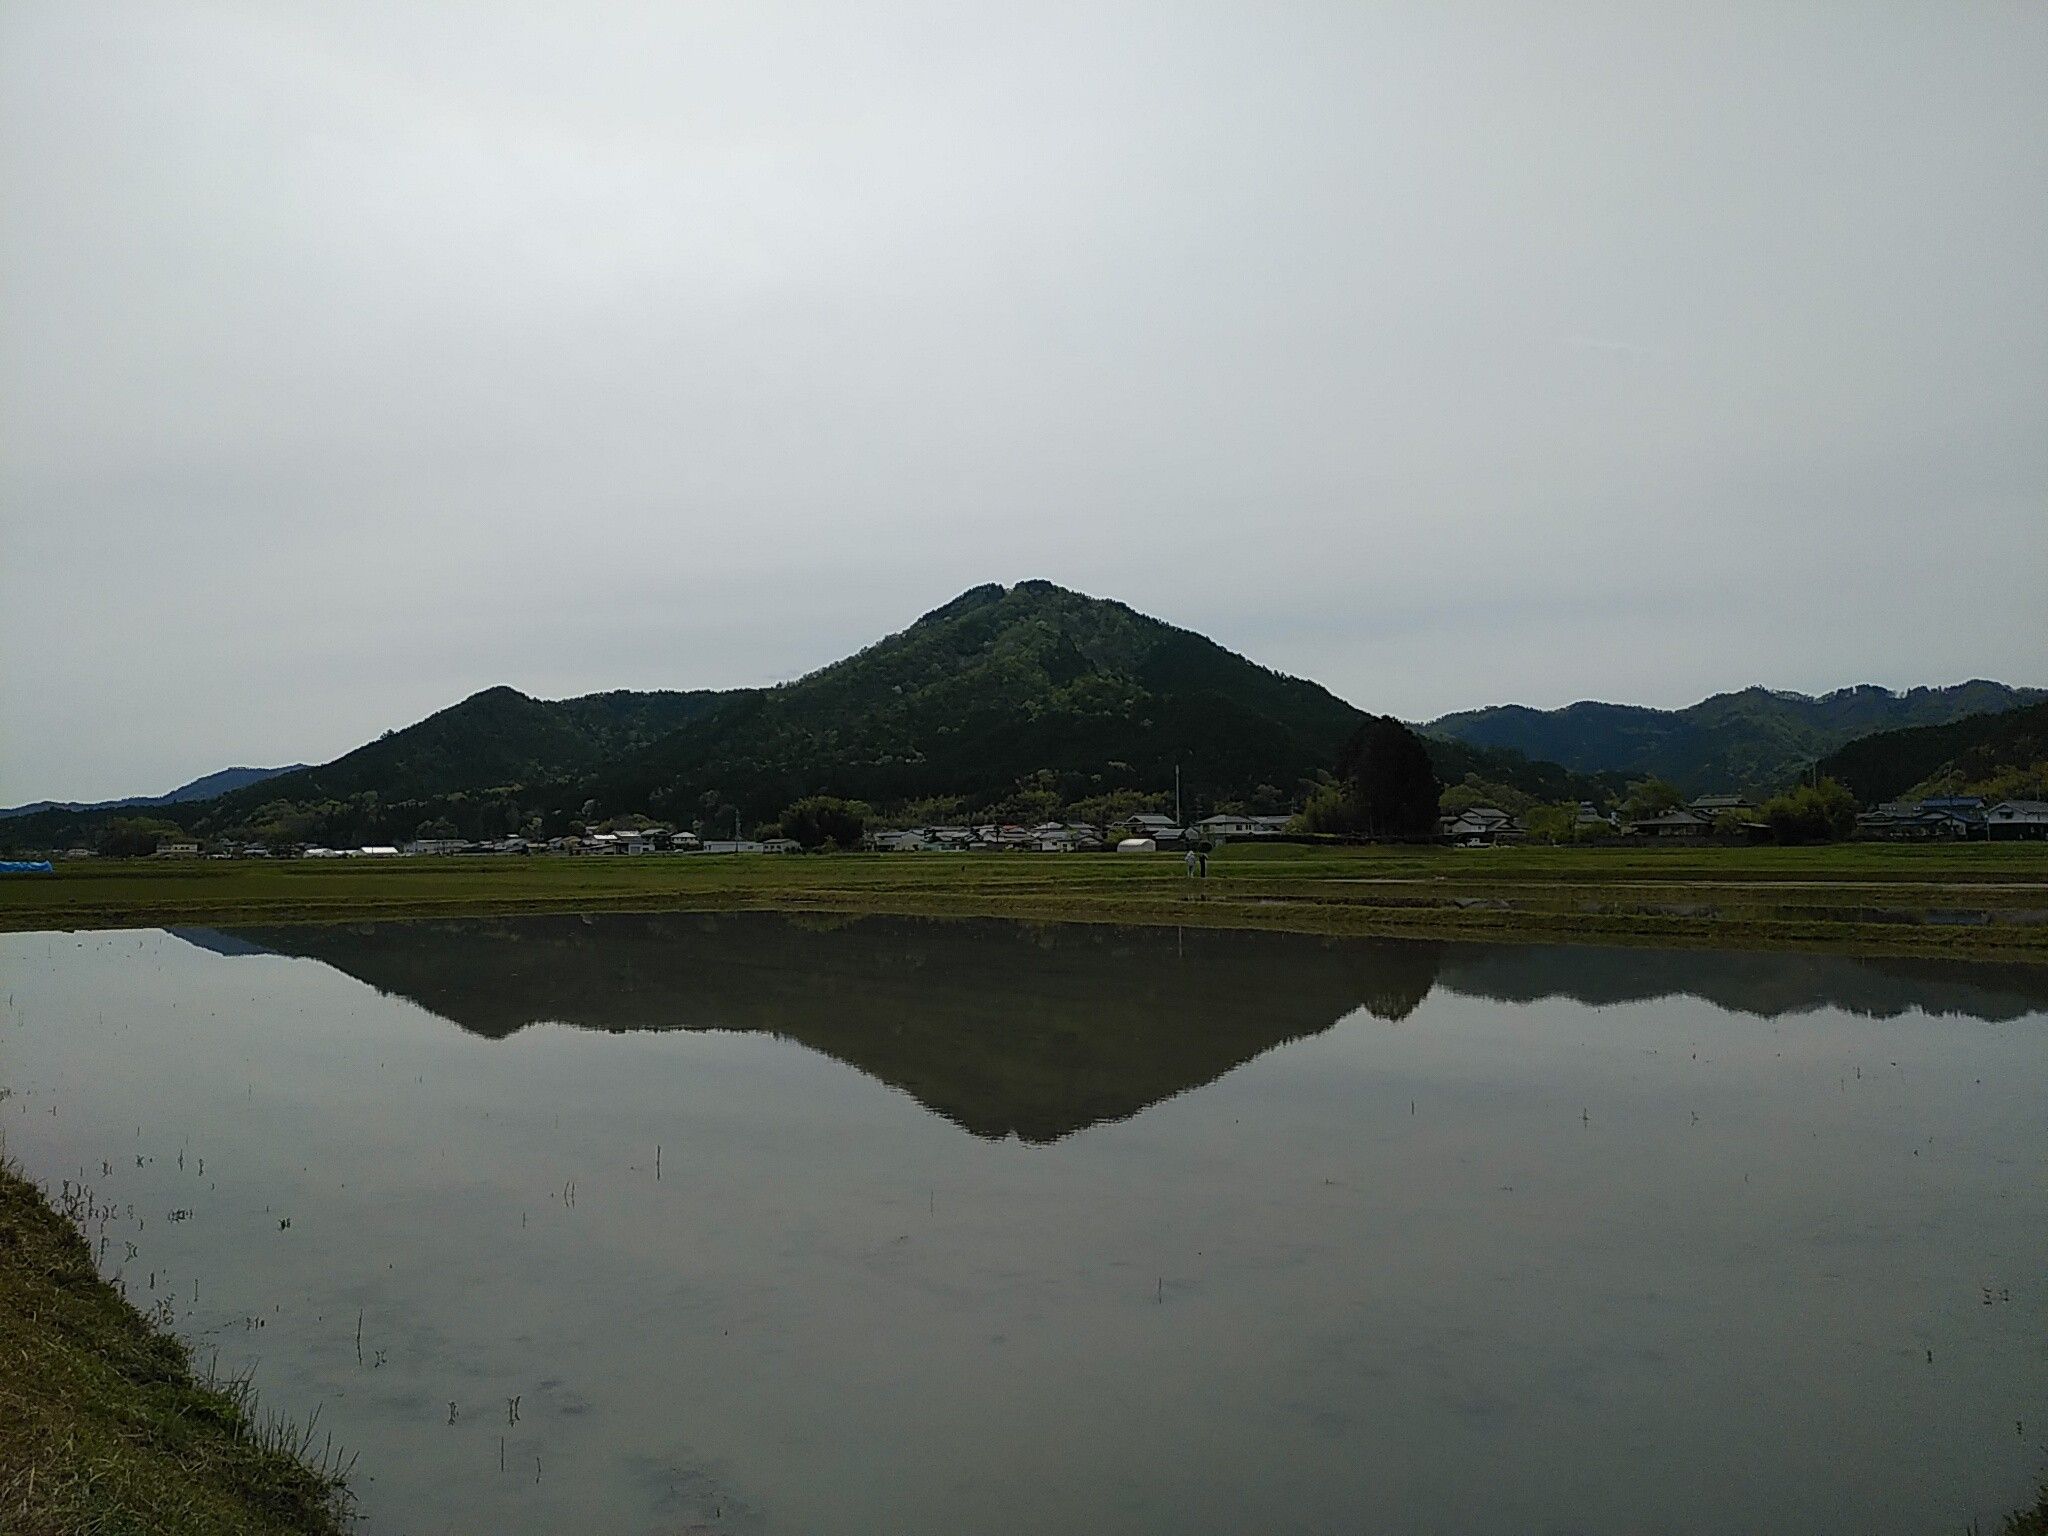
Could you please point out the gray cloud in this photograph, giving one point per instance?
(355, 358)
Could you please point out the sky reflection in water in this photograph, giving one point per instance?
(1107, 1229)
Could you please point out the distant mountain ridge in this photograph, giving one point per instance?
(206, 787)
(1755, 739)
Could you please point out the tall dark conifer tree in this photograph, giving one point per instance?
(1388, 779)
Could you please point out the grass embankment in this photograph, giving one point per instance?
(104, 1428)
(1975, 901)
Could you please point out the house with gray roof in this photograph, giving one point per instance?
(2012, 821)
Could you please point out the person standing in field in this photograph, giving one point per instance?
(1190, 861)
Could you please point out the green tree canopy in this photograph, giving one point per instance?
(136, 837)
(1812, 813)
(820, 819)
(1651, 797)
(1551, 823)
(1474, 790)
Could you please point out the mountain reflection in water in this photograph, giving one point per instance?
(1041, 1030)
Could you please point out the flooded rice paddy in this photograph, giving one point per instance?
(762, 1224)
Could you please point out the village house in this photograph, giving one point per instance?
(1677, 824)
(1064, 837)
(1954, 817)
(1969, 806)
(1218, 827)
(1479, 826)
(1008, 835)
(2017, 820)
(1711, 806)
(178, 848)
(1147, 824)
(436, 845)
(1160, 828)
(1054, 837)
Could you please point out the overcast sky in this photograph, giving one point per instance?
(356, 357)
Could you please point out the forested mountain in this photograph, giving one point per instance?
(1013, 700)
(2002, 756)
(1030, 683)
(1757, 739)
(206, 787)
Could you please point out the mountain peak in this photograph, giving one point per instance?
(989, 592)
(501, 693)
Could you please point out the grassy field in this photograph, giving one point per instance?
(105, 1429)
(1974, 901)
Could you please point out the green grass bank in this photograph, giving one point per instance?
(1984, 901)
(106, 1430)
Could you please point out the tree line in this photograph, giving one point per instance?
(1382, 786)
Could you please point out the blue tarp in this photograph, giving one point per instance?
(24, 867)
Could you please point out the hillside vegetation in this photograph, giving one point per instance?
(2000, 756)
(1755, 740)
(497, 737)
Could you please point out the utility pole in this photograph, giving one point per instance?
(1176, 797)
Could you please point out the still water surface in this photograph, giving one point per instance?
(757, 1224)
